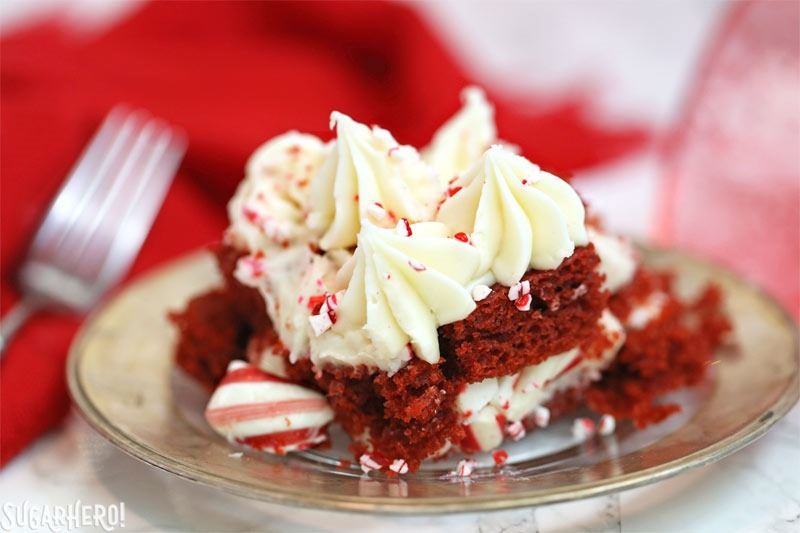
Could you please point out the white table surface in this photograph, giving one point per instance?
(756, 489)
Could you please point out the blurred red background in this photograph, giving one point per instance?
(592, 93)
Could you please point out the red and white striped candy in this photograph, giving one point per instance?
(266, 412)
(368, 464)
(250, 269)
(516, 430)
(484, 430)
(518, 289)
(582, 429)
(399, 466)
(464, 468)
(607, 425)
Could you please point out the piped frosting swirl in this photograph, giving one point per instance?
(401, 289)
(517, 216)
(367, 167)
(462, 139)
(269, 207)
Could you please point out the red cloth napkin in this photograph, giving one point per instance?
(233, 75)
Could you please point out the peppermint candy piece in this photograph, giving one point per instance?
(541, 416)
(582, 429)
(368, 463)
(607, 425)
(519, 289)
(516, 430)
(480, 292)
(399, 466)
(464, 468)
(266, 412)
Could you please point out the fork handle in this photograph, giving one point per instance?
(15, 318)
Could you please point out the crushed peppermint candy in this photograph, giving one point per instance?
(523, 303)
(607, 425)
(326, 316)
(582, 428)
(403, 227)
(461, 236)
(519, 289)
(251, 215)
(464, 468)
(250, 269)
(376, 212)
(399, 466)
(320, 323)
(581, 290)
(315, 302)
(451, 191)
(530, 180)
(416, 265)
(235, 455)
(541, 416)
(480, 292)
(515, 430)
(368, 463)
(500, 457)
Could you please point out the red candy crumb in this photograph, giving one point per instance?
(315, 302)
(500, 457)
(403, 227)
(523, 303)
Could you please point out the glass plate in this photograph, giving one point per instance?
(122, 378)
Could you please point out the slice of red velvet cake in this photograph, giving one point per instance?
(429, 304)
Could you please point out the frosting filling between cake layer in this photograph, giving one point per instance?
(493, 408)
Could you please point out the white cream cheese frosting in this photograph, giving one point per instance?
(367, 169)
(270, 204)
(460, 141)
(617, 259)
(516, 215)
(403, 286)
(288, 279)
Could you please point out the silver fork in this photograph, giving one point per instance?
(98, 221)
